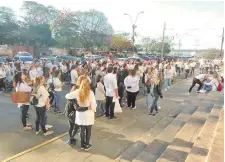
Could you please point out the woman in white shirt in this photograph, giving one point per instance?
(131, 83)
(168, 74)
(100, 97)
(33, 72)
(41, 94)
(22, 86)
(8, 69)
(57, 90)
(85, 98)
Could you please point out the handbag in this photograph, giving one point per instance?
(20, 97)
(34, 99)
(220, 87)
(117, 108)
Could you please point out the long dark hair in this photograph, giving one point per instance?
(17, 78)
(99, 77)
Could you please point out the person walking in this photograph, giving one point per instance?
(156, 92)
(22, 86)
(168, 74)
(41, 93)
(100, 97)
(131, 83)
(110, 83)
(85, 119)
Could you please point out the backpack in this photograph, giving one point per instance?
(70, 111)
(220, 87)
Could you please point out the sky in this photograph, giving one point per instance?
(197, 24)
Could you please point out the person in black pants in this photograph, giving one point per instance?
(73, 127)
(131, 98)
(110, 83)
(197, 80)
(131, 83)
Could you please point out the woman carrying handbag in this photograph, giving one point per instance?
(22, 86)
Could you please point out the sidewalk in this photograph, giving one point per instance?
(110, 138)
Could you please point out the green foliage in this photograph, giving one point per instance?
(210, 53)
(46, 26)
(155, 46)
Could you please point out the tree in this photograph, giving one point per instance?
(93, 27)
(155, 46)
(120, 43)
(210, 53)
(8, 26)
(36, 13)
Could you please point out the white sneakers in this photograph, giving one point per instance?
(27, 128)
(48, 133)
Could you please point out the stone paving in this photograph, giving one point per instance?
(136, 136)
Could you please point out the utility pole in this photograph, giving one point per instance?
(133, 27)
(221, 49)
(133, 35)
(162, 50)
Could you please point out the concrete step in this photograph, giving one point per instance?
(157, 146)
(156, 124)
(216, 152)
(185, 138)
(201, 147)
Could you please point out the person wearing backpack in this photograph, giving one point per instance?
(84, 118)
(70, 113)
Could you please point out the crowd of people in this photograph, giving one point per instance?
(96, 85)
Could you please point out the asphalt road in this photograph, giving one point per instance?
(14, 140)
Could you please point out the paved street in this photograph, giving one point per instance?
(118, 134)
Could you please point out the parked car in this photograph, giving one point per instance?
(23, 57)
(135, 59)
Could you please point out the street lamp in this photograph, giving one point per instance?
(133, 26)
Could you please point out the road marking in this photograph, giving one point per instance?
(35, 147)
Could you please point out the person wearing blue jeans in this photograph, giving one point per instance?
(167, 83)
(41, 118)
(147, 97)
(56, 101)
(156, 92)
(57, 90)
(168, 74)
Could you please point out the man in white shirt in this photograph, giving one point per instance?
(110, 83)
(74, 75)
(193, 64)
